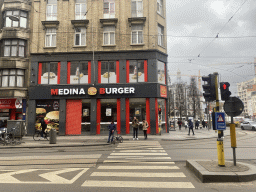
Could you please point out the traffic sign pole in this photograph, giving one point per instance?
(233, 139)
(220, 147)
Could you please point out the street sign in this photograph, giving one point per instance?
(233, 106)
(220, 122)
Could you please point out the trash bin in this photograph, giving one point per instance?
(53, 135)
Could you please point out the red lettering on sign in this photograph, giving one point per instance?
(54, 91)
(102, 91)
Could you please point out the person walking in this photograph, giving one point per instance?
(145, 128)
(135, 125)
(190, 127)
(179, 123)
(203, 123)
(111, 128)
(43, 125)
(196, 124)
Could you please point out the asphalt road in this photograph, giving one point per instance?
(131, 166)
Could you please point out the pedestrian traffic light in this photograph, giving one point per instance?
(224, 90)
(159, 111)
(209, 88)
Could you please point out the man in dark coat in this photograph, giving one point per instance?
(179, 123)
(135, 125)
(196, 124)
(203, 123)
(43, 125)
(190, 126)
(111, 128)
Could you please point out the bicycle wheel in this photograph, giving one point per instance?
(121, 139)
(37, 136)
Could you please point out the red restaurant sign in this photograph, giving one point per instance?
(163, 91)
(7, 103)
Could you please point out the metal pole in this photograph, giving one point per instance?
(233, 139)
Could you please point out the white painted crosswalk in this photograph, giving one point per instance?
(132, 164)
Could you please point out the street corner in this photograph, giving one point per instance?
(208, 171)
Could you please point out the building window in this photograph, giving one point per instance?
(51, 10)
(80, 36)
(79, 72)
(16, 19)
(161, 72)
(136, 71)
(12, 77)
(108, 72)
(137, 8)
(137, 34)
(80, 12)
(109, 35)
(109, 9)
(50, 37)
(14, 48)
(160, 35)
(49, 72)
(160, 7)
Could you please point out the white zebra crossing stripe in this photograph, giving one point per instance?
(138, 167)
(137, 174)
(134, 154)
(137, 184)
(134, 151)
(142, 162)
(137, 157)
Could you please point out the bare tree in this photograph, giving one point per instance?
(180, 106)
(194, 99)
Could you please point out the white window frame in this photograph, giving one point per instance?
(108, 31)
(138, 12)
(160, 7)
(80, 14)
(51, 5)
(50, 35)
(107, 4)
(137, 33)
(160, 36)
(81, 35)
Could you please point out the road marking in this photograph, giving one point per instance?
(138, 167)
(137, 174)
(52, 177)
(142, 162)
(137, 184)
(131, 151)
(137, 157)
(134, 154)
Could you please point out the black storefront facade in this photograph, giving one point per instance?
(88, 90)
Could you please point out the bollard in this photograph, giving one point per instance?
(53, 135)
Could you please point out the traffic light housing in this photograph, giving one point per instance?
(224, 90)
(209, 88)
(159, 111)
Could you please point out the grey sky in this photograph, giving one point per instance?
(191, 28)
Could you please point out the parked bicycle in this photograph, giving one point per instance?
(9, 138)
(37, 136)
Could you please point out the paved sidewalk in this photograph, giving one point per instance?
(95, 140)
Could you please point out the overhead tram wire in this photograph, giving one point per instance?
(222, 29)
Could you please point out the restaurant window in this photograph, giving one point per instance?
(50, 37)
(15, 18)
(12, 77)
(51, 10)
(136, 71)
(80, 12)
(161, 117)
(108, 72)
(80, 36)
(161, 72)
(79, 72)
(14, 48)
(86, 115)
(137, 8)
(109, 35)
(137, 34)
(138, 110)
(109, 9)
(49, 73)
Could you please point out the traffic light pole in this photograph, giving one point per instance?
(220, 147)
(233, 139)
